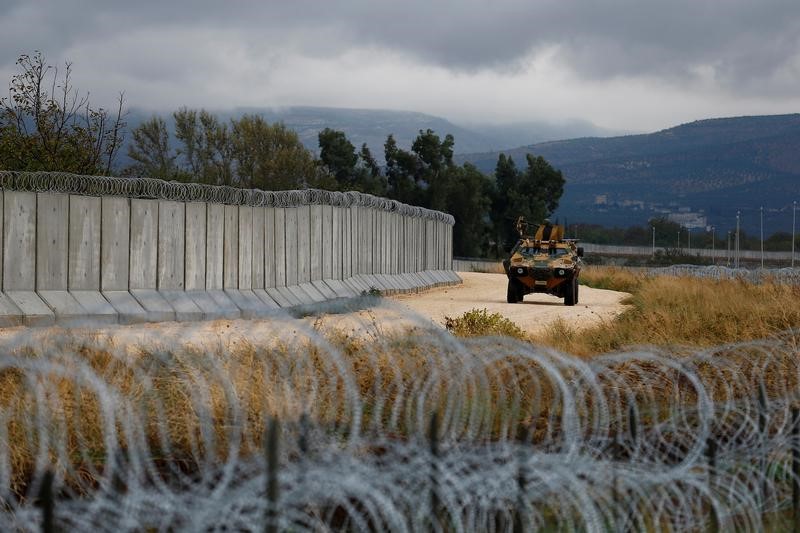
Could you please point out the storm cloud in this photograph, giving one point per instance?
(732, 55)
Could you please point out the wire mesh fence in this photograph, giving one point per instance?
(787, 275)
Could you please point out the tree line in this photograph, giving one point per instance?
(252, 153)
(47, 125)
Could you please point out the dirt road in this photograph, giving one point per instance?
(478, 291)
(534, 313)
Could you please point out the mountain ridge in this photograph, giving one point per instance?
(713, 167)
(372, 126)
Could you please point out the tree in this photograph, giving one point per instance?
(434, 167)
(47, 125)
(401, 172)
(338, 154)
(205, 146)
(271, 157)
(152, 153)
(544, 182)
(372, 181)
(469, 200)
(533, 194)
(353, 171)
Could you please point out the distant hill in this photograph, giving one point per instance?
(372, 126)
(711, 168)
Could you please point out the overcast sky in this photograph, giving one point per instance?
(622, 64)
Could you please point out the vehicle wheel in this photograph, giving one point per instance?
(520, 291)
(571, 292)
(514, 294)
(511, 294)
(577, 286)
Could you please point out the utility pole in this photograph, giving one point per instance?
(794, 219)
(761, 211)
(729, 249)
(713, 247)
(654, 242)
(736, 261)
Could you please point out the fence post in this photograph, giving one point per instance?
(617, 457)
(520, 523)
(762, 429)
(302, 441)
(796, 468)
(433, 436)
(273, 494)
(711, 456)
(47, 502)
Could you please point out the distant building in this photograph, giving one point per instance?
(689, 219)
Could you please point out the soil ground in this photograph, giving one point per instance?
(422, 310)
(534, 313)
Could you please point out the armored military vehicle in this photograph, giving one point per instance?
(544, 262)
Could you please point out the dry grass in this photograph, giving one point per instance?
(179, 393)
(680, 311)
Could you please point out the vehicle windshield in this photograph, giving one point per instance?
(529, 251)
(558, 252)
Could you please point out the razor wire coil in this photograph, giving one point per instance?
(617, 442)
(150, 188)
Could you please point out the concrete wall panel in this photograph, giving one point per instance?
(52, 241)
(215, 246)
(115, 233)
(55, 242)
(327, 242)
(195, 266)
(280, 247)
(337, 258)
(19, 238)
(230, 248)
(144, 244)
(291, 247)
(320, 248)
(304, 244)
(85, 217)
(388, 242)
(347, 245)
(358, 235)
(171, 245)
(10, 306)
(259, 214)
(269, 247)
(368, 244)
(395, 243)
(377, 241)
(245, 247)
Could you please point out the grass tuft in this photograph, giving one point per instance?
(479, 323)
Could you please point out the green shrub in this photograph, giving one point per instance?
(479, 323)
(373, 291)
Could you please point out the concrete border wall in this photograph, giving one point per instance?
(68, 257)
